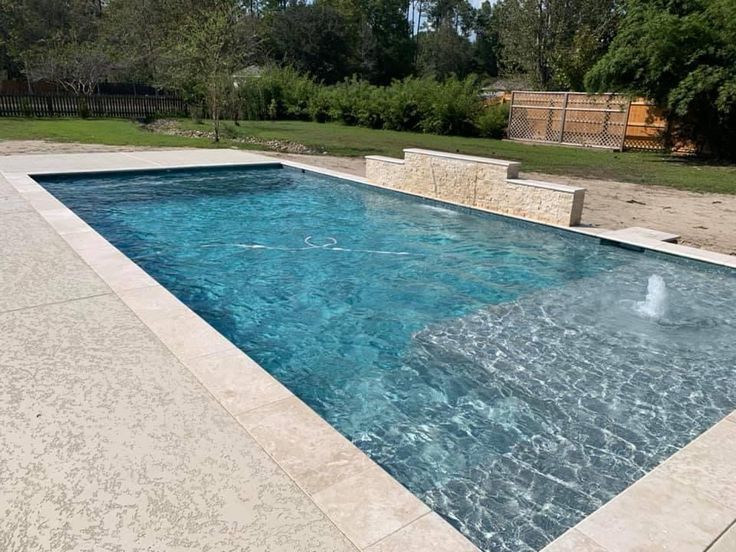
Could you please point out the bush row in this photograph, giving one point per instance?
(452, 106)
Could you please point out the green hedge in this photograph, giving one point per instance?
(276, 93)
(452, 106)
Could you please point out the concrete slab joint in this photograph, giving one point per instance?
(490, 184)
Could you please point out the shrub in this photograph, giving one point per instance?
(355, 102)
(83, 108)
(420, 105)
(26, 108)
(276, 93)
(228, 131)
(319, 105)
(198, 114)
(453, 108)
(406, 104)
(492, 121)
(423, 105)
(251, 100)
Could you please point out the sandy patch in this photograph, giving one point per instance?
(703, 220)
(349, 165)
(24, 147)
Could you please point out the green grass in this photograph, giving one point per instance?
(114, 132)
(334, 139)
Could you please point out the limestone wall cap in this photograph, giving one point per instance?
(461, 157)
(547, 185)
(385, 159)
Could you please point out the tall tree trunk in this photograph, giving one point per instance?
(215, 108)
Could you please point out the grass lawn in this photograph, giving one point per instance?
(114, 132)
(335, 139)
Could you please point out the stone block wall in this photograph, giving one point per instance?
(490, 184)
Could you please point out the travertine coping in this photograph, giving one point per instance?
(564, 188)
(478, 182)
(385, 159)
(636, 232)
(686, 503)
(702, 255)
(462, 157)
(727, 541)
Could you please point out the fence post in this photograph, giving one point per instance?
(511, 114)
(626, 124)
(564, 117)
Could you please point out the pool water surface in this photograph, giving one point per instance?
(513, 376)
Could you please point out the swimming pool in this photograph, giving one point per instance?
(513, 376)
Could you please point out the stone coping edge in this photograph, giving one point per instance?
(546, 185)
(275, 163)
(687, 502)
(393, 160)
(462, 157)
(674, 249)
(373, 510)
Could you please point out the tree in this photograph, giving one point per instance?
(214, 41)
(487, 44)
(681, 54)
(311, 38)
(30, 28)
(554, 42)
(76, 66)
(443, 52)
(387, 50)
(444, 47)
(458, 14)
(381, 47)
(139, 33)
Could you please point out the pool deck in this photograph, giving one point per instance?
(129, 423)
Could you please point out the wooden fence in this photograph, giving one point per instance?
(611, 121)
(130, 107)
(646, 128)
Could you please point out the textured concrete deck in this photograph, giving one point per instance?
(108, 441)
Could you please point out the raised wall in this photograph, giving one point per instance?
(490, 184)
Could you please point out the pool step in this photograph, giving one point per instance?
(637, 232)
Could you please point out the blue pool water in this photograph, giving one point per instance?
(507, 373)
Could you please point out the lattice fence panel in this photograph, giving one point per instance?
(569, 118)
(596, 120)
(536, 117)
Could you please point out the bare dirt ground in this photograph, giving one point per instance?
(703, 220)
(707, 221)
(21, 147)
